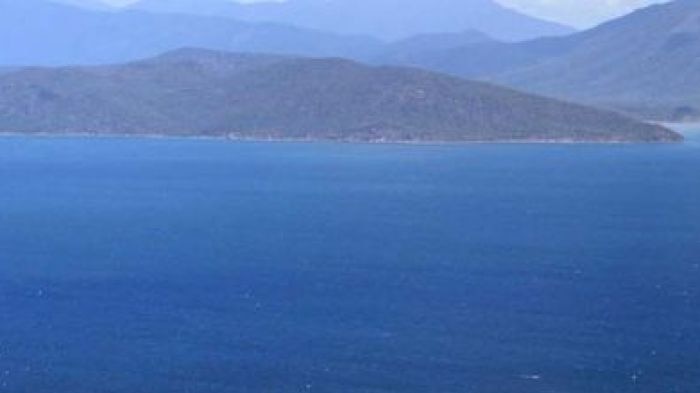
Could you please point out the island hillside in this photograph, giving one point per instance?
(193, 92)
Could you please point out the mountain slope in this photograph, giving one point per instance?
(387, 19)
(646, 63)
(98, 5)
(403, 51)
(195, 92)
(91, 37)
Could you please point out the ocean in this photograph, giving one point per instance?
(168, 266)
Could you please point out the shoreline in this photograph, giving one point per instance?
(437, 142)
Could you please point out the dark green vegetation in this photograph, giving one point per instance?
(646, 63)
(196, 92)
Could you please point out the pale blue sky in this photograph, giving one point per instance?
(581, 13)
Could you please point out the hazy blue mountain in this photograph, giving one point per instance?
(98, 5)
(196, 92)
(424, 45)
(89, 37)
(646, 63)
(487, 58)
(387, 19)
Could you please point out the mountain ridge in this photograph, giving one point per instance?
(208, 93)
(390, 20)
(644, 63)
(95, 37)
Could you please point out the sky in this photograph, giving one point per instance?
(579, 13)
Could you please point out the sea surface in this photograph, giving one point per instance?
(169, 266)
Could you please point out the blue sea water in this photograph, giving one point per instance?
(172, 266)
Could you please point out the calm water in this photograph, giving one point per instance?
(161, 266)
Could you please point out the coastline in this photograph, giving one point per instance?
(436, 142)
(683, 128)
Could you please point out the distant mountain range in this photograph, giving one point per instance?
(424, 45)
(206, 93)
(387, 19)
(645, 63)
(89, 32)
(92, 33)
(40, 32)
(87, 4)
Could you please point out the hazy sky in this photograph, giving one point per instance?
(581, 13)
